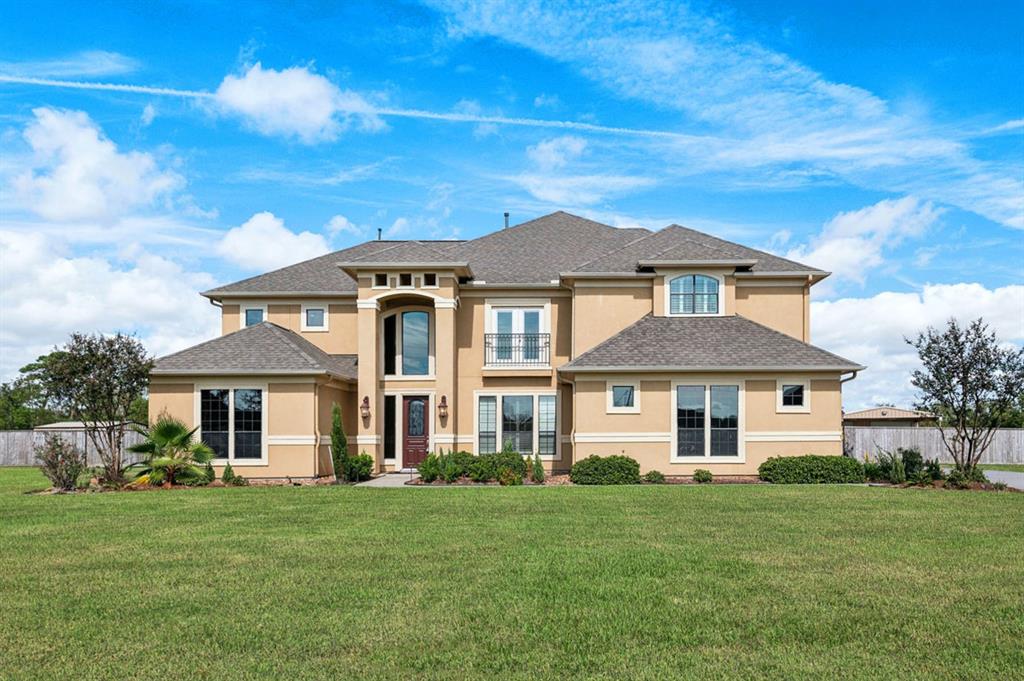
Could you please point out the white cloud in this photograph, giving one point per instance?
(294, 103)
(88, 64)
(263, 243)
(398, 228)
(543, 100)
(148, 114)
(852, 244)
(77, 173)
(340, 223)
(871, 330)
(48, 294)
(758, 110)
(579, 190)
(556, 152)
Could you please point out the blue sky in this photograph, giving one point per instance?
(881, 141)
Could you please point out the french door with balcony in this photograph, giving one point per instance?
(517, 337)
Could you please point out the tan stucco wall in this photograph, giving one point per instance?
(782, 308)
(655, 418)
(173, 398)
(601, 313)
(340, 337)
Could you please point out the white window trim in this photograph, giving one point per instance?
(264, 420)
(437, 280)
(805, 408)
(397, 312)
(610, 407)
(411, 284)
(493, 305)
(667, 285)
(499, 435)
(245, 307)
(741, 449)
(315, 306)
(373, 281)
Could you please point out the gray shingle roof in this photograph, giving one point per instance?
(675, 243)
(534, 252)
(698, 343)
(263, 348)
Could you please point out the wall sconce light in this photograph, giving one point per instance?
(442, 407)
(364, 408)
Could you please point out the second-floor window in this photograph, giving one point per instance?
(518, 336)
(253, 315)
(693, 294)
(407, 344)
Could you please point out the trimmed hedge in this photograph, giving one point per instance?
(811, 469)
(609, 470)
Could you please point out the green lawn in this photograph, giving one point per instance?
(648, 581)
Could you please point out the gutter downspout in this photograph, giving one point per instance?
(851, 377)
(316, 430)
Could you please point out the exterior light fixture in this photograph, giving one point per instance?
(442, 407)
(364, 408)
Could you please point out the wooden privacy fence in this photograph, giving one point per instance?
(17, 446)
(1007, 444)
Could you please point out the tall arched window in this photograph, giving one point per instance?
(693, 294)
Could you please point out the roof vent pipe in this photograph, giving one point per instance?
(506, 219)
(379, 232)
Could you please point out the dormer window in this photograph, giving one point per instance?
(695, 294)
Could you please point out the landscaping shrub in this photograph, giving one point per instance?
(228, 477)
(873, 472)
(654, 477)
(359, 467)
(922, 479)
(811, 469)
(484, 468)
(933, 469)
(958, 479)
(610, 470)
(60, 462)
(210, 474)
(891, 464)
(339, 444)
(913, 462)
(508, 477)
(462, 462)
(702, 475)
(430, 468)
(538, 469)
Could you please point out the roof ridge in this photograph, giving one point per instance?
(616, 250)
(286, 334)
(735, 243)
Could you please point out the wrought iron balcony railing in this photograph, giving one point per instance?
(517, 349)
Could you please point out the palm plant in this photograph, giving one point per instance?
(171, 454)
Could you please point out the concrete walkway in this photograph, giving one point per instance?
(1015, 480)
(389, 480)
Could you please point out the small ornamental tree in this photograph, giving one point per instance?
(339, 444)
(972, 384)
(95, 379)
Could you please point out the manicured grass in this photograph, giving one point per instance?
(561, 582)
(1011, 467)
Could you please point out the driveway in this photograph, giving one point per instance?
(1015, 480)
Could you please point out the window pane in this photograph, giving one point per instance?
(724, 420)
(546, 425)
(213, 412)
(414, 426)
(415, 343)
(486, 425)
(315, 317)
(503, 343)
(690, 420)
(253, 316)
(248, 423)
(389, 426)
(390, 344)
(622, 396)
(517, 422)
(429, 279)
(792, 395)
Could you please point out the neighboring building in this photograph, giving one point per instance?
(889, 417)
(562, 335)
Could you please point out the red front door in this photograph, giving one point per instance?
(416, 435)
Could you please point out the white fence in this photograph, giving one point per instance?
(1007, 444)
(17, 446)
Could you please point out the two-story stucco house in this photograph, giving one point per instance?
(562, 335)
